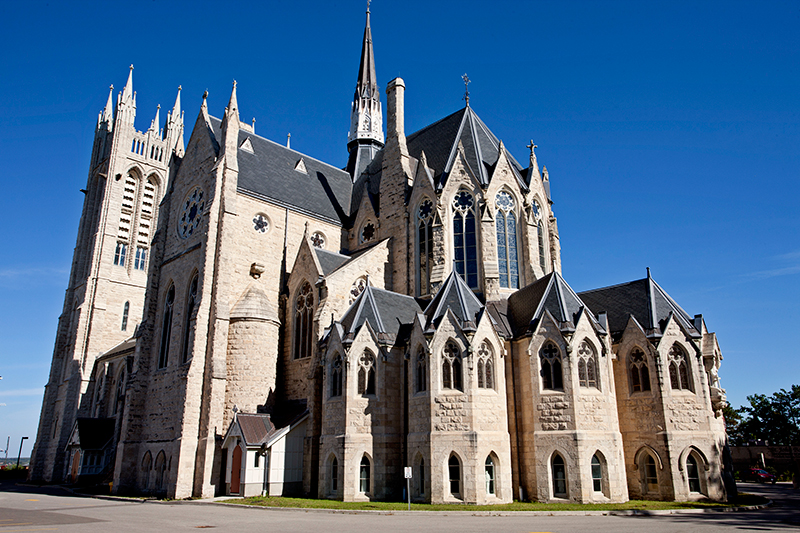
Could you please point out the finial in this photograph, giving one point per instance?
(368, 3)
(205, 94)
(131, 66)
(111, 87)
(531, 146)
(288, 140)
(179, 88)
(648, 272)
(234, 84)
(254, 124)
(466, 87)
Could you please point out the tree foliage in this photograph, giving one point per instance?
(775, 418)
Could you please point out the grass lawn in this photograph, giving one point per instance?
(643, 505)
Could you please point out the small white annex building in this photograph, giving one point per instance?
(257, 455)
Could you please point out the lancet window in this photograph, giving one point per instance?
(540, 232)
(422, 371)
(166, 327)
(485, 367)
(552, 377)
(465, 241)
(679, 369)
(425, 245)
(451, 367)
(191, 303)
(640, 374)
(587, 366)
(506, 225)
(366, 374)
(336, 376)
(303, 317)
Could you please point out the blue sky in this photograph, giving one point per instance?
(670, 130)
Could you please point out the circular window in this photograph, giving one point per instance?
(358, 287)
(504, 201)
(318, 240)
(191, 213)
(261, 223)
(368, 232)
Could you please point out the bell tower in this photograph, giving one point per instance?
(128, 176)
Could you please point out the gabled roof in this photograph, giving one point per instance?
(440, 142)
(552, 294)
(644, 299)
(385, 311)
(255, 428)
(126, 346)
(330, 261)
(455, 295)
(268, 172)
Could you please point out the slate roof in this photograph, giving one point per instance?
(269, 173)
(440, 141)
(644, 299)
(459, 298)
(550, 293)
(386, 311)
(330, 261)
(95, 433)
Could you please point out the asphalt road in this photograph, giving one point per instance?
(53, 509)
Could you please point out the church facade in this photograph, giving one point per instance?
(267, 321)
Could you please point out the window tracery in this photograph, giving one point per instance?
(451, 367)
(639, 373)
(303, 316)
(552, 377)
(679, 369)
(506, 225)
(485, 367)
(425, 245)
(336, 376)
(587, 366)
(465, 238)
(422, 374)
(366, 374)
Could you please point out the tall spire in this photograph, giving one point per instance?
(157, 119)
(176, 109)
(108, 112)
(366, 115)
(127, 92)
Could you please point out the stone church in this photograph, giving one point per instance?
(241, 317)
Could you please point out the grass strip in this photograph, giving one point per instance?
(639, 505)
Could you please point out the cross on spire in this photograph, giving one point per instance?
(368, 3)
(466, 87)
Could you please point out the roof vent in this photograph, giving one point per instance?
(301, 167)
(247, 146)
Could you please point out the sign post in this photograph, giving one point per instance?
(408, 485)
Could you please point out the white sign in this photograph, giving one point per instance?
(408, 472)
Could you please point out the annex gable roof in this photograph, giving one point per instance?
(455, 295)
(387, 312)
(550, 294)
(644, 299)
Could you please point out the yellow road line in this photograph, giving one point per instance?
(31, 500)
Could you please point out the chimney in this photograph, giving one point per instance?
(395, 127)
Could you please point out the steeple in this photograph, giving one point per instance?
(108, 112)
(366, 115)
(126, 101)
(157, 119)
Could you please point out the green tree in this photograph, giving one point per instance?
(773, 418)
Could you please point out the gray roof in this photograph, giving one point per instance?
(552, 294)
(330, 261)
(644, 299)
(269, 173)
(256, 428)
(440, 141)
(459, 298)
(386, 311)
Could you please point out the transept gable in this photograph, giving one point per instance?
(389, 315)
(306, 263)
(454, 296)
(503, 173)
(674, 330)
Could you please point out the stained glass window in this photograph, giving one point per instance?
(451, 367)
(465, 238)
(587, 366)
(550, 357)
(679, 369)
(166, 327)
(304, 310)
(507, 257)
(425, 245)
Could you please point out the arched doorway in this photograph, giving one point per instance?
(236, 470)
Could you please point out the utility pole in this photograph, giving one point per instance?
(20, 449)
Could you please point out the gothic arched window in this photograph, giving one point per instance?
(422, 374)
(454, 471)
(451, 367)
(489, 475)
(559, 477)
(366, 374)
(506, 224)
(692, 474)
(334, 475)
(640, 375)
(465, 239)
(303, 316)
(597, 474)
(485, 367)
(679, 369)
(587, 366)
(363, 475)
(425, 246)
(191, 303)
(540, 232)
(336, 376)
(552, 377)
(166, 327)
